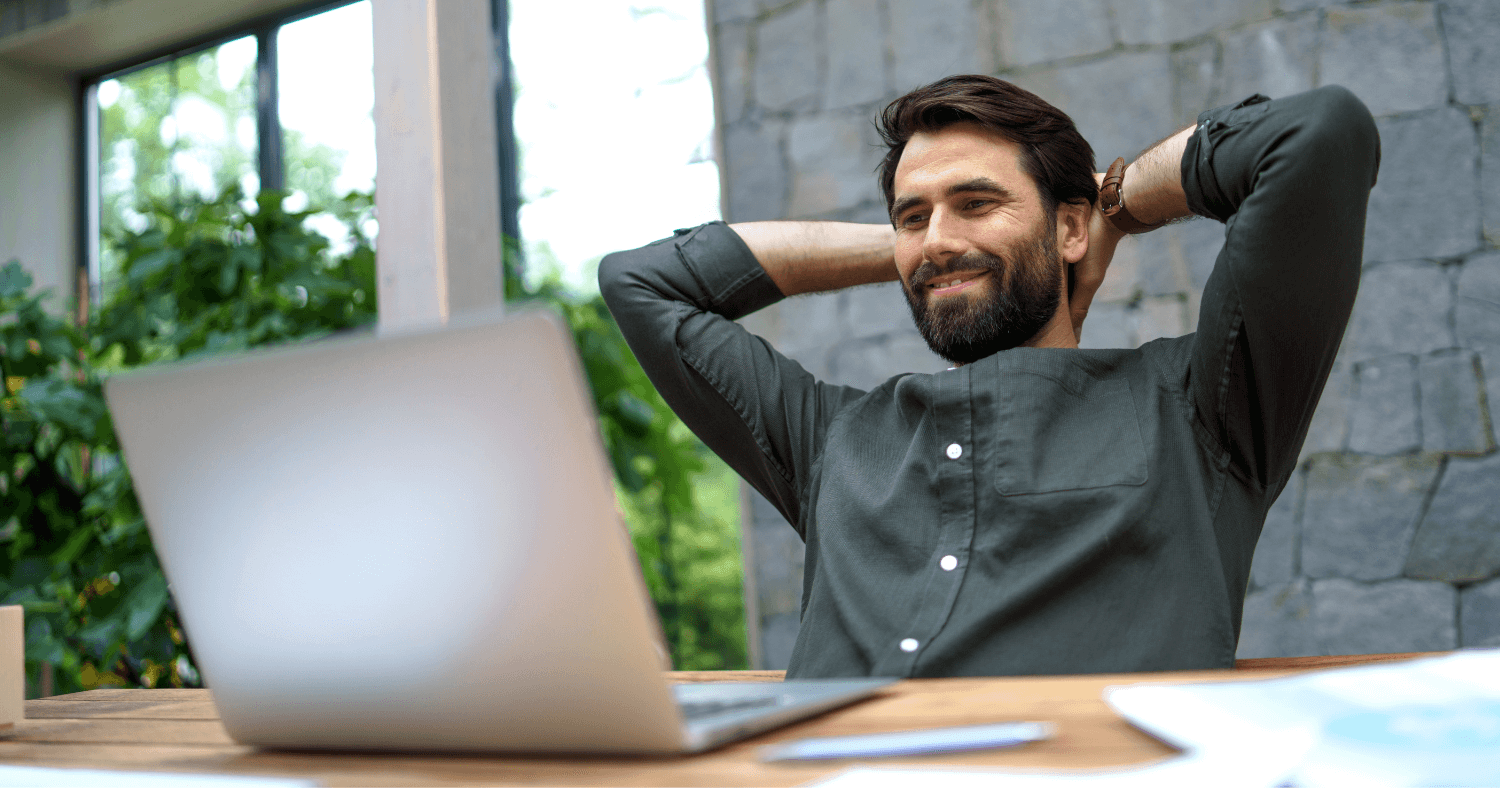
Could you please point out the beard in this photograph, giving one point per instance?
(964, 329)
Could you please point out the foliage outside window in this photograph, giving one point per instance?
(679, 499)
(202, 277)
(187, 127)
(196, 259)
(645, 67)
(179, 128)
(214, 276)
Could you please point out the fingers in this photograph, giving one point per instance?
(1089, 272)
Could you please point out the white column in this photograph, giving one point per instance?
(38, 211)
(437, 178)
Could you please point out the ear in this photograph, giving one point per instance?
(1073, 230)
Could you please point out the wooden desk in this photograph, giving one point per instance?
(179, 730)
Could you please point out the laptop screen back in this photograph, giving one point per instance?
(401, 542)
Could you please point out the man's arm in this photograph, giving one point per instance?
(676, 301)
(815, 257)
(1154, 195)
(1153, 182)
(1290, 179)
(812, 257)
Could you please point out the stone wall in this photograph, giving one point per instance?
(1388, 538)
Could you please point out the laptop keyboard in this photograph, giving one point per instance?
(696, 710)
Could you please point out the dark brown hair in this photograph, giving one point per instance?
(1054, 154)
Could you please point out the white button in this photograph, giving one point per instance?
(949, 563)
(909, 644)
(955, 451)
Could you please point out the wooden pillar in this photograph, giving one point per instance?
(436, 185)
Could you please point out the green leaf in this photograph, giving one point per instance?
(41, 644)
(57, 343)
(63, 403)
(633, 413)
(228, 275)
(152, 263)
(29, 572)
(144, 604)
(14, 280)
(75, 544)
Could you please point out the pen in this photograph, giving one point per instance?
(919, 742)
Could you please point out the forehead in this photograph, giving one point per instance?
(958, 153)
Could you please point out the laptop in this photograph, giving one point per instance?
(411, 542)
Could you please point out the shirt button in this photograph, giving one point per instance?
(955, 451)
(949, 563)
(909, 645)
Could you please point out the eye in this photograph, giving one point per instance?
(978, 202)
(913, 219)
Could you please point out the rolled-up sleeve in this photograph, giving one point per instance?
(1290, 179)
(676, 301)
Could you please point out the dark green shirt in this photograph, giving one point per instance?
(1040, 510)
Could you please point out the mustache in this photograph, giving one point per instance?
(968, 261)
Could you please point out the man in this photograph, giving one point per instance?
(1039, 508)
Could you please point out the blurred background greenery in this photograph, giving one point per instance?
(196, 256)
(680, 500)
(228, 274)
(202, 277)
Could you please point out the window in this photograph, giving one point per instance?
(168, 130)
(616, 134)
(286, 105)
(327, 123)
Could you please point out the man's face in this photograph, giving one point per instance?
(975, 247)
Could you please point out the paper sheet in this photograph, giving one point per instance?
(1400, 725)
(1424, 722)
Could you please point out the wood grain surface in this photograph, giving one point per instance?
(179, 730)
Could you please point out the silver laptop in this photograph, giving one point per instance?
(411, 542)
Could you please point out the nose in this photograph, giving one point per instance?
(943, 239)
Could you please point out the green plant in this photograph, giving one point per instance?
(76, 553)
(220, 275)
(144, 127)
(679, 499)
(213, 276)
(202, 277)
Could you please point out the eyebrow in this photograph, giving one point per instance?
(980, 184)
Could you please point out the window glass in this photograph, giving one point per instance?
(173, 130)
(614, 127)
(327, 98)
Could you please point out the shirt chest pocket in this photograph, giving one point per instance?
(1054, 436)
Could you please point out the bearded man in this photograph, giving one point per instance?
(1038, 508)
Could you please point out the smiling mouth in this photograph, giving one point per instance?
(947, 284)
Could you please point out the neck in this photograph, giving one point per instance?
(1057, 333)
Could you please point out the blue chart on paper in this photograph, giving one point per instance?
(1448, 744)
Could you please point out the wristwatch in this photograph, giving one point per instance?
(1112, 201)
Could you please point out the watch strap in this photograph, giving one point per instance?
(1112, 201)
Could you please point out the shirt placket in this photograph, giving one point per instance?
(949, 562)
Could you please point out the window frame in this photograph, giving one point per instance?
(270, 165)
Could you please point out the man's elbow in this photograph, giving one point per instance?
(616, 275)
(1345, 129)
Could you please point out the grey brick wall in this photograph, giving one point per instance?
(1388, 538)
